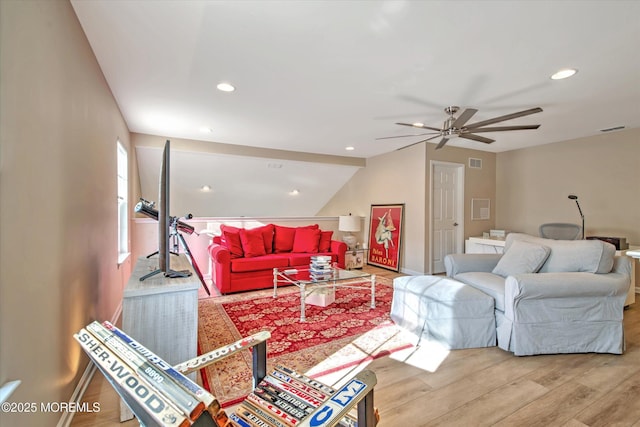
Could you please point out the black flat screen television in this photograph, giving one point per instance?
(164, 220)
(164, 263)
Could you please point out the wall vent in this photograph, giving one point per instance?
(475, 163)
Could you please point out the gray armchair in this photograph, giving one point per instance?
(560, 231)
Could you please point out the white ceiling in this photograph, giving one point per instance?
(317, 76)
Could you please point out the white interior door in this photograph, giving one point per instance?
(447, 212)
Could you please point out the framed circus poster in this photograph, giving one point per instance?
(385, 232)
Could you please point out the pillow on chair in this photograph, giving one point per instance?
(522, 257)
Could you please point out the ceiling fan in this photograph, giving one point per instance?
(456, 127)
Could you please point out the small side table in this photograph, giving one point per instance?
(355, 259)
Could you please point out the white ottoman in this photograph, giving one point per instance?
(441, 309)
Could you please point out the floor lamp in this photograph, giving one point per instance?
(574, 197)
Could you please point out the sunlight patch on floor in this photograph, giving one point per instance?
(428, 356)
(338, 368)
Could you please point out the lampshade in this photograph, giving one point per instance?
(349, 223)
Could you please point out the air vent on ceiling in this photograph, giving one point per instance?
(612, 129)
(475, 163)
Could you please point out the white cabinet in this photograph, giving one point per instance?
(479, 245)
(631, 296)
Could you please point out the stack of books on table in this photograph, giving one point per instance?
(285, 398)
(320, 267)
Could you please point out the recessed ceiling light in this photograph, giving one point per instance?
(294, 192)
(205, 188)
(205, 129)
(225, 87)
(349, 148)
(418, 124)
(564, 73)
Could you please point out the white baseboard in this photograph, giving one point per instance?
(85, 380)
(411, 272)
(78, 393)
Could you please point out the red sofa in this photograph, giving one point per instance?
(244, 259)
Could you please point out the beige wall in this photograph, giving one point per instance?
(478, 183)
(403, 177)
(396, 177)
(603, 171)
(58, 246)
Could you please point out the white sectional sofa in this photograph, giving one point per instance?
(551, 296)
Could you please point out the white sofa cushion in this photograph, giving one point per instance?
(522, 257)
(489, 283)
(590, 256)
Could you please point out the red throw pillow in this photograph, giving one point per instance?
(306, 240)
(267, 237)
(231, 240)
(325, 241)
(252, 242)
(283, 238)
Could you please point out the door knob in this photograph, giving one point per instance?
(455, 224)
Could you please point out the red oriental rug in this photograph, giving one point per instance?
(340, 337)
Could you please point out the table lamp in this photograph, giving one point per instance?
(349, 224)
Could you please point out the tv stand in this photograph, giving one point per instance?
(161, 312)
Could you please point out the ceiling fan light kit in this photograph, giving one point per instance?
(455, 127)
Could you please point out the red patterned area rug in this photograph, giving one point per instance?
(340, 337)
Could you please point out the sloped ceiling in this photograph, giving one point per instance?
(240, 185)
(318, 76)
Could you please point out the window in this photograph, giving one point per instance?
(123, 205)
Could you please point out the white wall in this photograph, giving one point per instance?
(58, 247)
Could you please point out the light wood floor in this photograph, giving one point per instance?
(482, 387)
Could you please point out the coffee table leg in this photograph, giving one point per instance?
(302, 302)
(275, 282)
(373, 291)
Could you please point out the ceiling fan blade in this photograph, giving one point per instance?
(404, 136)
(503, 128)
(419, 127)
(416, 143)
(464, 117)
(505, 117)
(441, 143)
(476, 138)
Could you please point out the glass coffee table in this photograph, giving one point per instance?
(334, 278)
